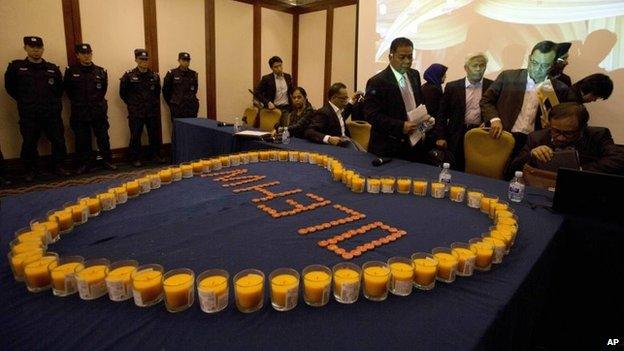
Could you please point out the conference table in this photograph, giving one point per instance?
(199, 224)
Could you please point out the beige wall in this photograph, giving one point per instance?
(42, 18)
(114, 34)
(276, 39)
(181, 27)
(343, 46)
(115, 28)
(234, 57)
(312, 55)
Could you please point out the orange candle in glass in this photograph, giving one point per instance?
(132, 188)
(94, 205)
(419, 187)
(37, 274)
(403, 185)
(387, 184)
(64, 218)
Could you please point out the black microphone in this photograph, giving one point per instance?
(381, 161)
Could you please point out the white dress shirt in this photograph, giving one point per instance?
(525, 122)
(281, 91)
(342, 124)
(406, 90)
(473, 96)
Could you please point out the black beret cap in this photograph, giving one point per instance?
(141, 53)
(33, 41)
(83, 48)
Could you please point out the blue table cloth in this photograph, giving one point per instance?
(198, 224)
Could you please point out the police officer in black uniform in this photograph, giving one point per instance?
(140, 90)
(86, 85)
(37, 86)
(180, 89)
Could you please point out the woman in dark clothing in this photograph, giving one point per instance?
(432, 90)
(299, 118)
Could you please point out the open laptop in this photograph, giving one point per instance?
(589, 193)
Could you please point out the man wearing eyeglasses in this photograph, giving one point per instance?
(569, 131)
(511, 102)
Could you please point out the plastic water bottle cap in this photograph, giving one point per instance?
(518, 174)
(446, 165)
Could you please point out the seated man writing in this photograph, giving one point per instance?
(328, 123)
(569, 131)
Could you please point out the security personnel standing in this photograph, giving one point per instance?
(37, 86)
(86, 85)
(140, 90)
(180, 89)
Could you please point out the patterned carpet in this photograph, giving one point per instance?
(123, 173)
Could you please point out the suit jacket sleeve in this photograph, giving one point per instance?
(611, 156)
(524, 156)
(375, 114)
(104, 83)
(167, 86)
(490, 98)
(261, 91)
(9, 81)
(67, 83)
(314, 132)
(123, 88)
(58, 82)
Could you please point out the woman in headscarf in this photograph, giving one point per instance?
(561, 61)
(432, 89)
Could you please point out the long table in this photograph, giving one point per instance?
(198, 224)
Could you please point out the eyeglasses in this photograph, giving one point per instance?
(568, 134)
(540, 65)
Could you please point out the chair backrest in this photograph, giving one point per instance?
(251, 113)
(487, 156)
(268, 119)
(360, 132)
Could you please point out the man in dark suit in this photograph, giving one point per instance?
(569, 130)
(390, 96)
(275, 88)
(511, 102)
(327, 124)
(460, 111)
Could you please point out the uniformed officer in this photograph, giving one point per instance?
(37, 86)
(140, 90)
(180, 89)
(86, 85)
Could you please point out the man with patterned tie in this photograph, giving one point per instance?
(390, 96)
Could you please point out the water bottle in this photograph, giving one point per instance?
(285, 136)
(237, 125)
(445, 175)
(427, 125)
(516, 188)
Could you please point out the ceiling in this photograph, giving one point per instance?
(298, 2)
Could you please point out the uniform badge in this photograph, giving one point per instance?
(98, 85)
(51, 81)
